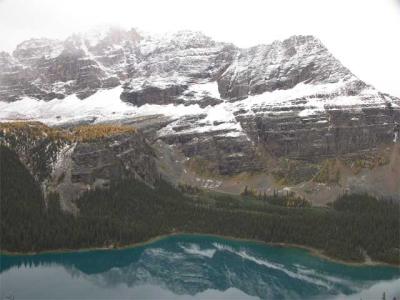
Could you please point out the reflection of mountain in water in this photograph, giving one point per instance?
(191, 265)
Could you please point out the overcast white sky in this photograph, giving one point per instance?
(363, 34)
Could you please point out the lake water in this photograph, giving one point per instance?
(192, 267)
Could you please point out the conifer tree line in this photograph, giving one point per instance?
(129, 211)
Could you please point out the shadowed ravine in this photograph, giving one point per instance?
(192, 267)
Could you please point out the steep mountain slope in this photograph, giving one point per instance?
(211, 111)
(71, 162)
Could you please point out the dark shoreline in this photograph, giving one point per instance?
(310, 250)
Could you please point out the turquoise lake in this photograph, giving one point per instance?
(193, 267)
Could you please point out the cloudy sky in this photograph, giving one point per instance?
(363, 34)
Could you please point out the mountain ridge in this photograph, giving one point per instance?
(212, 112)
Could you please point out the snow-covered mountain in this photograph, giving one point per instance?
(208, 106)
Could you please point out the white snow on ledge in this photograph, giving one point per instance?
(283, 98)
(315, 99)
(104, 105)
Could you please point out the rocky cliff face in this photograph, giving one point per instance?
(70, 162)
(211, 110)
(280, 66)
(49, 69)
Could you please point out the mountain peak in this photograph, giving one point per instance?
(281, 65)
(30, 51)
